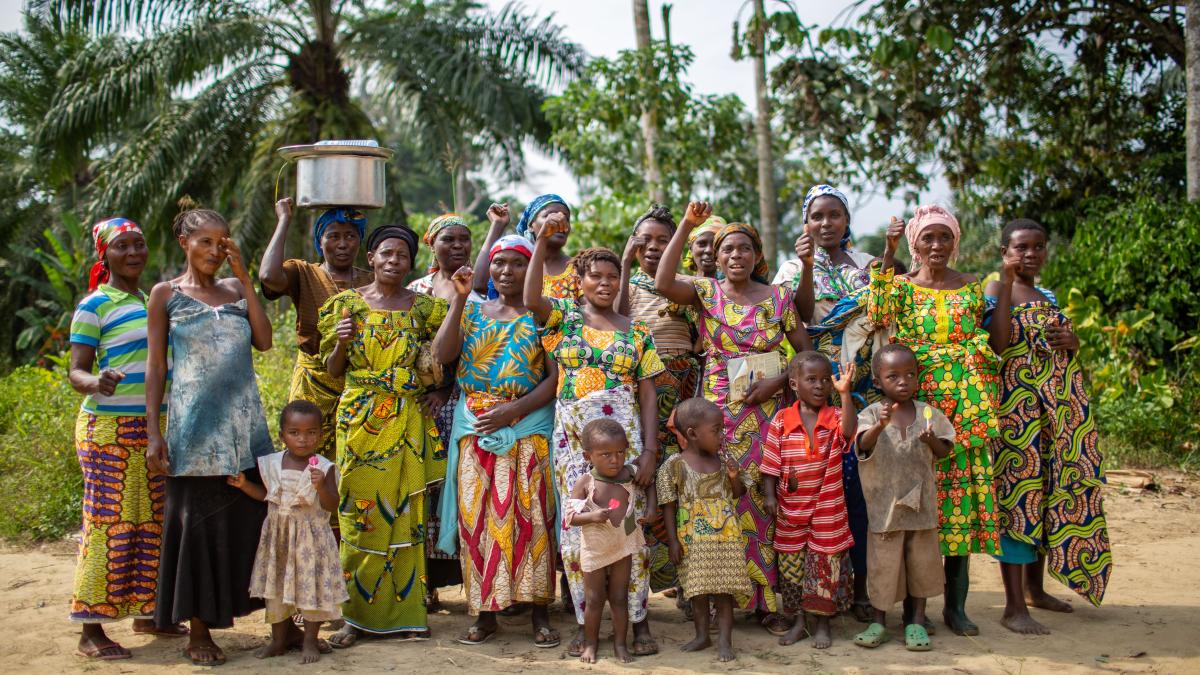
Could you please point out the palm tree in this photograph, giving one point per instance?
(223, 83)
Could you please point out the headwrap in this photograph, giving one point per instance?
(103, 234)
(535, 207)
(760, 273)
(923, 217)
(714, 225)
(436, 226)
(339, 215)
(512, 242)
(379, 234)
(823, 190)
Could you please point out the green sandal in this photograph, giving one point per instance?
(875, 635)
(916, 639)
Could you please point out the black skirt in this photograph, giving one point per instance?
(210, 536)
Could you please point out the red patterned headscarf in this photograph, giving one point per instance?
(103, 234)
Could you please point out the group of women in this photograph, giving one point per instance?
(453, 407)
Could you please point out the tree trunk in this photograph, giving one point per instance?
(768, 210)
(1191, 34)
(641, 25)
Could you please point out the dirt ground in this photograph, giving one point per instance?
(1150, 621)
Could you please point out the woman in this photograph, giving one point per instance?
(698, 258)
(938, 313)
(671, 326)
(337, 234)
(607, 365)
(499, 483)
(122, 502)
(450, 240)
(1047, 461)
(386, 444)
(830, 280)
(559, 277)
(742, 315)
(210, 528)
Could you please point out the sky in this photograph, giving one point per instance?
(604, 27)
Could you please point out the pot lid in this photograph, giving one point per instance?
(363, 148)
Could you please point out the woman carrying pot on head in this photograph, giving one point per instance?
(122, 501)
(741, 315)
(385, 441)
(337, 236)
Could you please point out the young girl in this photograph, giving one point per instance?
(602, 505)
(217, 429)
(1048, 464)
(802, 488)
(699, 492)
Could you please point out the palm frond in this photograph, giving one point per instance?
(113, 16)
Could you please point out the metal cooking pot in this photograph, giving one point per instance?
(339, 173)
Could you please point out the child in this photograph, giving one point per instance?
(602, 505)
(297, 569)
(900, 439)
(802, 490)
(699, 491)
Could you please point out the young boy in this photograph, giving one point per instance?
(900, 439)
(802, 487)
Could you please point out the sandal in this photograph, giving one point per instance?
(475, 636)
(776, 624)
(345, 638)
(916, 639)
(575, 649)
(109, 652)
(545, 637)
(875, 635)
(644, 646)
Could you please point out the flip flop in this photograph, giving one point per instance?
(548, 637)
(916, 639)
(475, 636)
(575, 649)
(776, 624)
(644, 646)
(349, 639)
(93, 652)
(875, 635)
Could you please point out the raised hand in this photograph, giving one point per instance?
(805, 249)
(697, 213)
(636, 243)
(895, 230)
(107, 383)
(497, 214)
(283, 209)
(346, 328)
(555, 223)
(236, 264)
(844, 382)
(1008, 272)
(462, 279)
(886, 411)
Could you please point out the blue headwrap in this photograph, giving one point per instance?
(339, 215)
(827, 191)
(535, 207)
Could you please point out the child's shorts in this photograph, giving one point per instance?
(900, 564)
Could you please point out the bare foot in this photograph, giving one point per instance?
(822, 637)
(588, 653)
(147, 627)
(1044, 600)
(1024, 624)
(725, 650)
(622, 653)
(309, 653)
(272, 648)
(205, 652)
(698, 643)
(797, 633)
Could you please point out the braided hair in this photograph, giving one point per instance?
(192, 216)
(658, 213)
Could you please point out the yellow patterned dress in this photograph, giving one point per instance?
(386, 455)
(958, 376)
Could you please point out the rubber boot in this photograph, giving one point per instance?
(958, 582)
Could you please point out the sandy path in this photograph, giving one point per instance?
(1150, 622)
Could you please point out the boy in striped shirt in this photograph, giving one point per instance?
(802, 487)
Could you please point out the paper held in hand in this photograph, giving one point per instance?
(747, 370)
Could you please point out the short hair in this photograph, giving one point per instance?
(586, 259)
(604, 427)
(300, 407)
(810, 356)
(659, 214)
(1019, 224)
(690, 413)
(891, 348)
